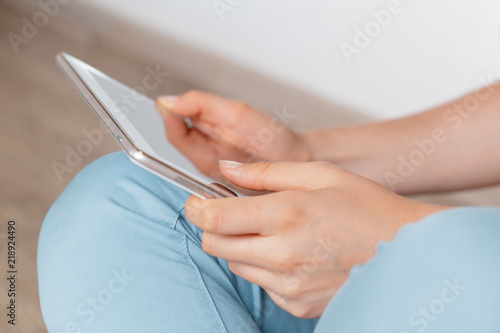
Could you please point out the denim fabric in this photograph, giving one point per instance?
(441, 274)
(116, 254)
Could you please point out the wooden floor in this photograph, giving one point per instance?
(40, 116)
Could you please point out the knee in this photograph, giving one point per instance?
(114, 177)
(105, 194)
(110, 184)
(111, 207)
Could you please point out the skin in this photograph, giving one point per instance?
(300, 240)
(464, 160)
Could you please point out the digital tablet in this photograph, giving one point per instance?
(138, 128)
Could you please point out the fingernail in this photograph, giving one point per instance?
(161, 110)
(168, 102)
(195, 204)
(229, 164)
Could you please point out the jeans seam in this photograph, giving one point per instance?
(204, 287)
(175, 217)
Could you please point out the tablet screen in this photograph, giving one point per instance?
(136, 115)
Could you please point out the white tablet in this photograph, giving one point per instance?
(138, 128)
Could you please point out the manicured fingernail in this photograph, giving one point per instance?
(168, 102)
(229, 164)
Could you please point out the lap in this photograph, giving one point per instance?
(116, 253)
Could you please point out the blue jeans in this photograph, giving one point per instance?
(116, 254)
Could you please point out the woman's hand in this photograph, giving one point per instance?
(300, 242)
(227, 129)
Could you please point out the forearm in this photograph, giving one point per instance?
(451, 147)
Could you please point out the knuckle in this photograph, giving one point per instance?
(233, 267)
(171, 137)
(296, 204)
(336, 175)
(190, 213)
(239, 105)
(278, 298)
(192, 94)
(210, 219)
(206, 243)
(174, 138)
(292, 286)
(300, 311)
(294, 210)
(193, 207)
(239, 112)
(324, 166)
(205, 166)
(261, 172)
(283, 261)
(263, 168)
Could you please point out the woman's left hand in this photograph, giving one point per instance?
(300, 242)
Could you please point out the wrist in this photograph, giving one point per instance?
(367, 150)
(320, 145)
(417, 211)
(405, 211)
(350, 148)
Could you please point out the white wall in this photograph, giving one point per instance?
(430, 52)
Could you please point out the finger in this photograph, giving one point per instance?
(255, 274)
(184, 138)
(252, 250)
(224, 118)
(263, 214)
(277, 298)
(281, 176)
(240, 248)
(190, 142)
(271, 282)
(204, 106)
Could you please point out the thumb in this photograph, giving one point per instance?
(280, 176)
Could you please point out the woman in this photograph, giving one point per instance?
(122, 250)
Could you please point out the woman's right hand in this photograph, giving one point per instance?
(225, 129)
